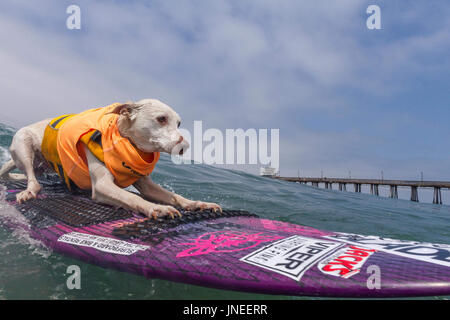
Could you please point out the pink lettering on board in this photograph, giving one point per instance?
(224, 241)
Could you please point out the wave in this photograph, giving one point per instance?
(17, 231)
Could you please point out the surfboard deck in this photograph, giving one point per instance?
(235, 250)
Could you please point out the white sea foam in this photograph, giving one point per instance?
(4, 155)
(37, 247)
(9, 216)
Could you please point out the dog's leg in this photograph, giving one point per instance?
(5, 172)
(22, 153)
(17, 176)
(6, 168)
(104, 190)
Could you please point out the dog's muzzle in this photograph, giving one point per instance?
(180, 147)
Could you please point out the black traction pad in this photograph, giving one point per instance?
(59, 204)
(74, 211)
(51, 186)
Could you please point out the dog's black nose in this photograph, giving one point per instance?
(181, 152)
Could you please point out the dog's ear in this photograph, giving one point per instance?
(127, 109)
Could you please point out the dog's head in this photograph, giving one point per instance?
(151, 126)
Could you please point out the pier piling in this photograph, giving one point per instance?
(437, 199)
(394, 192)
(414, 194)
(374, 189)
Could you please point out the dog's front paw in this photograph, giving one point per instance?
(154, 211)
(25, 195)
(30, 193)
(200, 205)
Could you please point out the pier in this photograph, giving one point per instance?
(374, 185)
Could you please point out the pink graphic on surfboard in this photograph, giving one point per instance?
(224, 241)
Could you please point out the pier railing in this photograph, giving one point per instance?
(374, 185)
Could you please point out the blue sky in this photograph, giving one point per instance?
(344, 97)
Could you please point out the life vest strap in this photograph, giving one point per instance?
(93, 141)
(49, 150)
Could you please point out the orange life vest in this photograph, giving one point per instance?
(63, 141)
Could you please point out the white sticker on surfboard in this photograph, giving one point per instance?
(104, 244)
(292, 256)
(427, 252)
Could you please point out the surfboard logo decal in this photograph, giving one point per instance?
(345, 262)
(224, 241)
(105, 244)
(427, 252)
(292, 256)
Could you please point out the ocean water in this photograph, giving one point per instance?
(30, 271)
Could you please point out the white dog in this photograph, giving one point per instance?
(149, 125)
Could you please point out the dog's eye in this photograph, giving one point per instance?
(162, 119)
(179, 123)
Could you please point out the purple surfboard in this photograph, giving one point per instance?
(235, 250)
